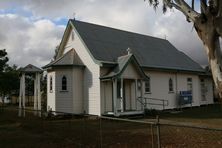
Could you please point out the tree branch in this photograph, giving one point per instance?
(203, 6)
(219, 4)
(187, 10)
(182, 6)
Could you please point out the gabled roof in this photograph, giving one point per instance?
(107, 44)
(68, 59)
(30, 69)
(123, 62)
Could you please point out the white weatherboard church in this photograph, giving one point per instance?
(101, 70)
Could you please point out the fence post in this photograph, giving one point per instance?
(152, 136)
(100, 132)
(158, 132)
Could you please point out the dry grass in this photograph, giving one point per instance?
(33, 131)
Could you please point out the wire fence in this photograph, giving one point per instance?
(27, 129)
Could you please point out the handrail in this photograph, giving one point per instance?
(155, 99)
(140, 100)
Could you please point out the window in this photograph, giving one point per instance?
(147, 85)
(118, 88)
(203, 90)
(170, 85)
(189, 84)
(50, 84)
(64, 83)
(139, 84)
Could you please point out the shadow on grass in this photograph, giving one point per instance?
(202, 112)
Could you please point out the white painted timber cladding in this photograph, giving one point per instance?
(159, 82)
(77, 90)
(106, 96)
(131, 72)
(209, 92)
(51, 94)
(64, 99)
(91, 80)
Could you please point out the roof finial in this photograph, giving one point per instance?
(74, 16)
(129, 51)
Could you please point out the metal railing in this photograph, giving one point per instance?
(145, 101)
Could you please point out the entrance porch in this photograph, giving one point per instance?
(120, 96)
(122, 87)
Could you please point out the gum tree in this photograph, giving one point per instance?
(206, 16)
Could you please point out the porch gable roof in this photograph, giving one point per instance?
(123, 62)
(30, 69)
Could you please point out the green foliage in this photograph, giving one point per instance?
(44, 92)
(9, 76)
(56, 52)
(153, 3)
(3, 60)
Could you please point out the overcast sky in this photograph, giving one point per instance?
(31, 29)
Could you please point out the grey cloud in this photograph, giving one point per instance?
(29, 42)
(131, 15)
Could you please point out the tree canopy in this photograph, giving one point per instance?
(3, 60)
(9, 76)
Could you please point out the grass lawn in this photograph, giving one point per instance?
(32, 131)
(210, 116)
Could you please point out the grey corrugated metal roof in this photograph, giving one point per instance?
(107, 44)
(68, 59)
(30, 69)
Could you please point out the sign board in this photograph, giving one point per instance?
(185, 97)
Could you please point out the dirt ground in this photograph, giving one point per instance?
(32, 131)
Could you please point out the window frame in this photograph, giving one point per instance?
(50, 84)
(190, 83)
(147, 86)
(170, 85)
(64, 83)
(203, 89)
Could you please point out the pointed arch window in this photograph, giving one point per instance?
(170, 85)
(64, 83)
(50, 84)
(147, 85)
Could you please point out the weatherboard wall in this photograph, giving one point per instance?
(159, 89)
(51, 94)
(208, 91)
(159, 83)
(91, 82)
(64, 98)
(77, 90)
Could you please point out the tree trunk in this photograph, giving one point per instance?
(215, 64)
(207, 32)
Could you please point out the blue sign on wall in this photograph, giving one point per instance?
(185, 97)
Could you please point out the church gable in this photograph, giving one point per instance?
(69, 41)
(127, 67)
(131, 71)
